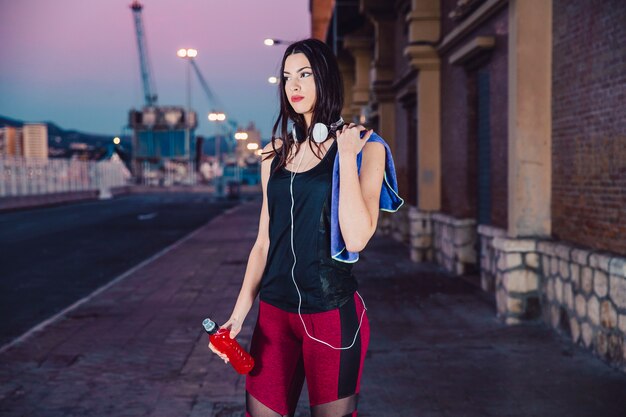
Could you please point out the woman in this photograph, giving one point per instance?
(312, 322)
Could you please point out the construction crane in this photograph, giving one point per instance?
(211, 97)
(149, 89)
(214, 100)
(163, 136)
(205, 86)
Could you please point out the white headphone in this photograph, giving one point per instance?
(320, 130)
(320, 133)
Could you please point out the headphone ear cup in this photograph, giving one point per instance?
(320, 132)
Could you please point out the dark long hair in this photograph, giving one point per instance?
(328, 102)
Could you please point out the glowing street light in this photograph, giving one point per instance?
(272, 42)
(187, 53)
(215, 116)
(241, 135)
(116, 140)
(272, 80)
(252, 146)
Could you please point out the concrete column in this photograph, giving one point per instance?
(382, 73)
(387, 123)
(424, 29)
(321, 16)
(529, 117)
(359, 44)
(347, 69)
(384, 36)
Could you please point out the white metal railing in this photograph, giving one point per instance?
(169, 173)
(24, 176)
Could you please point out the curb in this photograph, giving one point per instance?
(42, 325)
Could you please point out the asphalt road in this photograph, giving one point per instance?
(52, 257)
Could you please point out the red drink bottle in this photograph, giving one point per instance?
(220, 338)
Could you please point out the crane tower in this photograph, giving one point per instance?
(149, 89)
(163, 136)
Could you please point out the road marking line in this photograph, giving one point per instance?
(119, 278)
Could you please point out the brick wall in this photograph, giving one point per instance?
(459, 186)
(589, 123)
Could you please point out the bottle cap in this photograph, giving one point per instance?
(209, 326)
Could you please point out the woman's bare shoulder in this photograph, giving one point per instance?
(269, 148)
(268, 154)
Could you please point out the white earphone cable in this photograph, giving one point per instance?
(293, 174)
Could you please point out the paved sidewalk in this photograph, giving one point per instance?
(137, 348)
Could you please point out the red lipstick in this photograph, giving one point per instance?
(296, 99)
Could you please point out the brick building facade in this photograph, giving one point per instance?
(508, 130)
(588, 124)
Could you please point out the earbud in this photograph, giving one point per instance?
(320, 131)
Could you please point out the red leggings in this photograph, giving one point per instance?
(284, 355)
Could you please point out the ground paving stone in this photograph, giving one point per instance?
(137, 349)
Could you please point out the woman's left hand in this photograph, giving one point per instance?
(349, 139)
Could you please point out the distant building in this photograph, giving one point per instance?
(29, 141)
(10, 141)
(35, 140)
(249, 146)
(162, 135)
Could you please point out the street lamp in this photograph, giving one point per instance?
(216, 116)
(241, 136)
(272, 42)
(272, 80)
(188, 54)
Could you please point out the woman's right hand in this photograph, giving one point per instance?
(234, 325)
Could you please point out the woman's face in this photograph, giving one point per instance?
(299, 83)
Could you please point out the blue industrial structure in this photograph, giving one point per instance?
(162, 135)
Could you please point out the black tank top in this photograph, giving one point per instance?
(324, 283)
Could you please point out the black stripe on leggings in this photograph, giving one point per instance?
(350, 359)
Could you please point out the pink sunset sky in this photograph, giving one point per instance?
(75, 62)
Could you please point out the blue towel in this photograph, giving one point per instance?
(389, 201)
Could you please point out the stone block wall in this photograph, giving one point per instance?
(454, 243)
(488, 260)
(395, 224)
(421, 235)
(578, 292)
(517, 279)
(584, 296)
